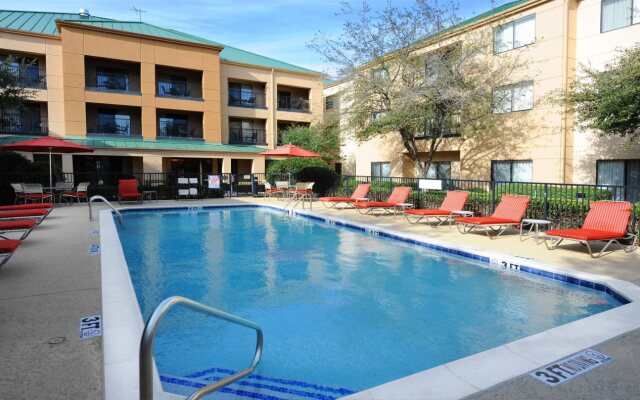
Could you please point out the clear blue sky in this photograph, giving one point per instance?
(276, 28)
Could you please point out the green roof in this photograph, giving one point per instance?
(139, 143)
(45, 23)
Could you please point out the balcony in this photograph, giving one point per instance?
(112, 76)
(17, 124)
(107, 120)
(249, 136)
(178, 83)
(293, 104)
(179, 129)
(29, 76)
(247, 98)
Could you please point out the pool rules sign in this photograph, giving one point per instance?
(563, 370)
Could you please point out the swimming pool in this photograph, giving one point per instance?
(342, 310)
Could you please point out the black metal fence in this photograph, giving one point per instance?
(565, 205)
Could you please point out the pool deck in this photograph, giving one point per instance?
(52, 281)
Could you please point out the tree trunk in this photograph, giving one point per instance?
(409, 142)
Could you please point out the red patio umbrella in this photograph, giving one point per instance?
(49, 145)
(290, 150)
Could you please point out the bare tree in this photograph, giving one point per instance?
(408, 71)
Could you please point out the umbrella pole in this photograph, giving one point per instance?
(50, 173)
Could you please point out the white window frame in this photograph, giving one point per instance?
(511, 90)
(511, 165)
(513, 43)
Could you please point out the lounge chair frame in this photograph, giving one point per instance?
(553, 242)
(499, 228)
(4, 257)
(441, 219)
(25, 232)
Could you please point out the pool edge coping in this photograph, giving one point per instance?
(459, 378)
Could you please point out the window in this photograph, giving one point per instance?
(618, 14)
(241, 94)
(173, 86)
(112, 78)
(114, 122)
(174, 125)
(329, 102)
(511, 171)
(618, 172)
(510, 98)
(512, 35)
(380, 169)
(439, 170)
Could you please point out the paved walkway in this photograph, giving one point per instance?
(52, 282)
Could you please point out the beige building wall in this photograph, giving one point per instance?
(596, 49)
(567, 34)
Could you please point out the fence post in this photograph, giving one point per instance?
(492, 188)
(545, 205)
(254, 186)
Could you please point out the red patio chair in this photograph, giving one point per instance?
(509, 213)
(19, 225)
(455, 201)
(269, 191)
(128, 191)
(361, 192)
(78, 194)
(36, 214)
(399, 195)
(7, 248)
(34, 192)
(606, 221)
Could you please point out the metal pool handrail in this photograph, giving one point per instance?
(149, 334)
(95, 198)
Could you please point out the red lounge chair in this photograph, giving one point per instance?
(361, 192)
(455, 201)
(509, 213)
(399, 195)
(7, 248)
(128, 191)
(38, 206)
(20, 225)
(36, 214)
(606, 221)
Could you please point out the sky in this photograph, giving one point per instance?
(279, 29)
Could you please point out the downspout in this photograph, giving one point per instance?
(565, 85)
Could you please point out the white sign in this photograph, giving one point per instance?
(246, 177)
(578, 364)
(95, 233)
(94, 249)
(90, 326)
(214, 181)
(430, 184)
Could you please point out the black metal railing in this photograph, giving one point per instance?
(247, 136)
(29, 76)
(179, 130)
(177, 88)
(116, 81)
(247, 98)
(295, 104)
(119, 126)
(18, 124)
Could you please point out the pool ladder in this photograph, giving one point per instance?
(96, 198)
(295, 201)
(149, 334)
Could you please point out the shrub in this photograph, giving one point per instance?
(17, 169)
(304, 170)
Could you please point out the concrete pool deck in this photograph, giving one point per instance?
(52, 281)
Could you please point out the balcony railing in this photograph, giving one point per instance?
(172, 88)
(179, 130)
(247, 98)
(295, 104)
(29, 76)
(118, 126)
(246, 136)
(115, 81)
(17, 124)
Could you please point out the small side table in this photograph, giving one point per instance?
(534, 226)
(150, 195)
(401, 207)
(458, 213)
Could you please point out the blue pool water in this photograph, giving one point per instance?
(342, 310)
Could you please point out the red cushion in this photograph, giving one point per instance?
(38, 195)
(338, 199)
(9, 246)
(134, 194)
(584, 234)
(454, 201)
(426, 212)
(373, 204)
(23, 213)
(26, 206)
(128, 188)
(400, 194)
(77, 194)
(17, 225)
(362, 190)
(512, 207)
(487, 221)
(608, 216)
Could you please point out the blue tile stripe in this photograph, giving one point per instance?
(198, 385)
(340, 391)
(523, 268)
